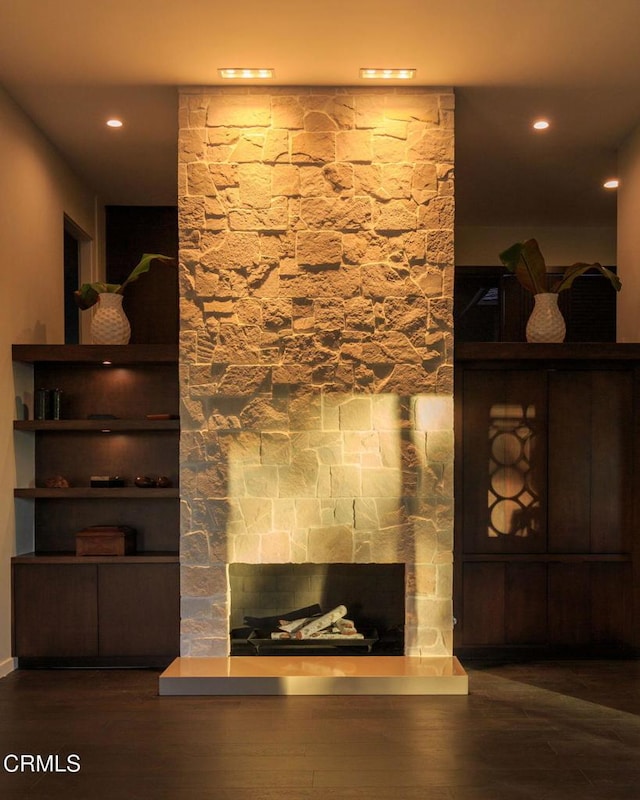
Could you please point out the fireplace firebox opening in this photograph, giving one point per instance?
(370, 596)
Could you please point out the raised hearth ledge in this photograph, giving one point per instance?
(315, 675)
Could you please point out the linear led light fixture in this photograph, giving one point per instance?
(388, 74)
(246, 72)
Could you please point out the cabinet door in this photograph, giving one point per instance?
(590, 461)
(139, 609)
(504, 604)
(55, 610)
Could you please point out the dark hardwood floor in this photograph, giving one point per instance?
(549, 731)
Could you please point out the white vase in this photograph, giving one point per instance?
(546, 323)
(110, 324)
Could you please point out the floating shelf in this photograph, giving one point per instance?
(76, 492)
(149, 557)
(99, 425)
(522, 352)
(96, 353)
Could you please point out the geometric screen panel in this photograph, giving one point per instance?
(514, 504)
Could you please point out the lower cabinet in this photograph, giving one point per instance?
(545, 604)
(147, 623)
(55, 610)
(95, 614)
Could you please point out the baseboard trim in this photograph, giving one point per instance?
(7, 666)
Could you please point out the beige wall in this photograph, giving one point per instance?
(479, 246)
(38, 189)
(629, 239)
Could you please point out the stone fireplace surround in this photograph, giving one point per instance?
(316, 262)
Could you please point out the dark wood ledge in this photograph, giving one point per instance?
(143, 557)
(96, 353)
(565, 351)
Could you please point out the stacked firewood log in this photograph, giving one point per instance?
(332, 625)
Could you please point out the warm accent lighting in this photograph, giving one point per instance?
(388, 74)
(612, 183)
(541, 125)
(106, 363)
(245, 73)
(115, 123)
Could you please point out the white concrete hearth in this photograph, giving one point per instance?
(315, 675)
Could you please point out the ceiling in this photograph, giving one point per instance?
(72, 64)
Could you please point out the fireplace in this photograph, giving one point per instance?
(372, 594)
(337, 479)
(316, 345)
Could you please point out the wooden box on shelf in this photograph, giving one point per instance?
(106, 540)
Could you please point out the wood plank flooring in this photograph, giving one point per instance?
(549, 731)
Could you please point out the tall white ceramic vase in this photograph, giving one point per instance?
(546, 323)
(110, 324)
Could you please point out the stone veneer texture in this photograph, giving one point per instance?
(316, 263)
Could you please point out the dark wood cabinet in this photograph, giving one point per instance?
(55, 611)
(546, 543)
(140, 597)
(70, 610)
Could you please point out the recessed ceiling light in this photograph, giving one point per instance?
(115, 123)
(388, 74)
(246, 72)
(612, 183)
(541, 125)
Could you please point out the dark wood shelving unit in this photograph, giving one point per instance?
(73, 610)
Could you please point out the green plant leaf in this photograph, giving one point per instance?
(527, 263)
(144, 265)
(572, 272)
(87, 295)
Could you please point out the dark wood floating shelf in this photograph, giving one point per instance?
(96, 353)
(149, 557)
(533, 351)
(76, 492)
(129, 425)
